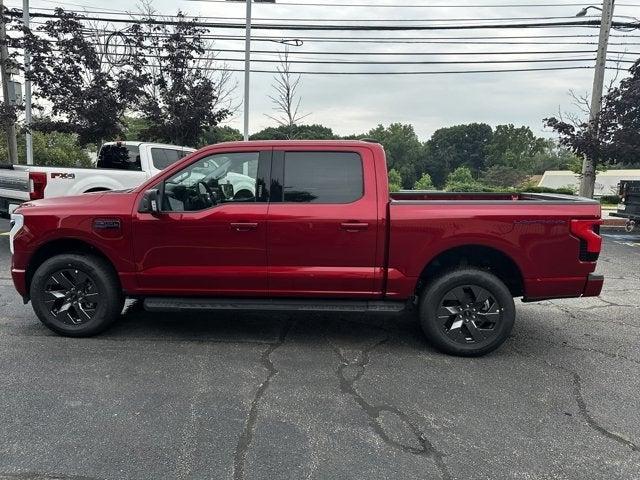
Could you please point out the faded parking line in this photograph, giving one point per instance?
(4, 234)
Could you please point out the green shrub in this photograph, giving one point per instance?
(424, 183)
(561, 190)
(610, 199)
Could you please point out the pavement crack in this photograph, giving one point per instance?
(576, 347)
(244, 442)
(374, 411)
(582, 405)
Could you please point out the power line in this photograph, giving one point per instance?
(264, 26)
(375, 62)
(441, 72)
(144, 16)
(377, 5)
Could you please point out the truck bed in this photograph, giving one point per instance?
(432, 196)
(534, 230)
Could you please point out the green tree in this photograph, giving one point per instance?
(461, 180)
(298, 132)
(424, 183)
(82, 94)
(405, 152)
(395, 180)
(220, 134)
(514, 147)
(52, 149)
(181, 100)
(503, 176)
(453, 147)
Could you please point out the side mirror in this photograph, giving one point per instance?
(150, 202)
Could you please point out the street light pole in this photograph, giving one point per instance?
(247, 69)
(27, 88)
(6, 78)
(588, 180)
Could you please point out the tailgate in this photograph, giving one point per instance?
(14, 185)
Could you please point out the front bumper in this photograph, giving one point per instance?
(20, 281)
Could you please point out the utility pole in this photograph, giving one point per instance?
(247, 69)
(6, 77)
(27, 88)
(588, 181)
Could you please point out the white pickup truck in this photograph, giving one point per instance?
(120, 165)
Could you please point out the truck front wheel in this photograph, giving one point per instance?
(76, 295)
(467, 312)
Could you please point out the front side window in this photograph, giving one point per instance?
(163, 157)
(322, 177)
(220, 178)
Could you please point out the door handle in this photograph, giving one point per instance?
(244, 227)
(354, 226)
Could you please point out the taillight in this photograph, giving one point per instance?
(588, 232)
(37, 184)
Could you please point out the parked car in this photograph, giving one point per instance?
(321, 232)
(119, 165)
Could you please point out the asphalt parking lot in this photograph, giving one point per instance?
(250, 396)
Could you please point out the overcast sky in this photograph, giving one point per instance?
(356, 103)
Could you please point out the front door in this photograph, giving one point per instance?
(323, 224)
(210, 237)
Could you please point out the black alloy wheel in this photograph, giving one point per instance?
(467, 312)
(76, 294)
(71, 296)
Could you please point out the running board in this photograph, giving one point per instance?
(180, 304)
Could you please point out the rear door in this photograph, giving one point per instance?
(323, 224)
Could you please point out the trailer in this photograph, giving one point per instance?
(629, 206)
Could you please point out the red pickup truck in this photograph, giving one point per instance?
(320, 231)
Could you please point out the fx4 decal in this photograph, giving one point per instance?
(63, 176)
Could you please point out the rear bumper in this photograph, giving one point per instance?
(562, 287)
(593, 287)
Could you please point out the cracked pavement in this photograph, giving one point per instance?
(320, 396)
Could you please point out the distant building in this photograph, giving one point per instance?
(606, 182)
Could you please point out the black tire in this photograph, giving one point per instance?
(457, 319)
(76, 295)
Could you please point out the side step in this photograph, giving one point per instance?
(182, 304)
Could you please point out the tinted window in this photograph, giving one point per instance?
(212, 180)
(163, 157)
(121, 157)
(322, 177)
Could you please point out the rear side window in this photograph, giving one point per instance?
(322, 177)
(163, 157)
(119, 157)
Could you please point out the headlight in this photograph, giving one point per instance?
(17, 221)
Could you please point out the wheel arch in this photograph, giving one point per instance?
(59, 247)
(483, 257)
(97, 189)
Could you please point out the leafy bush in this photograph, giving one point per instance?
(562, 190)
(395, 181)
(610, 199)
(423, 183)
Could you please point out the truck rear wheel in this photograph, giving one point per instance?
(467, 312)
(76, 295)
